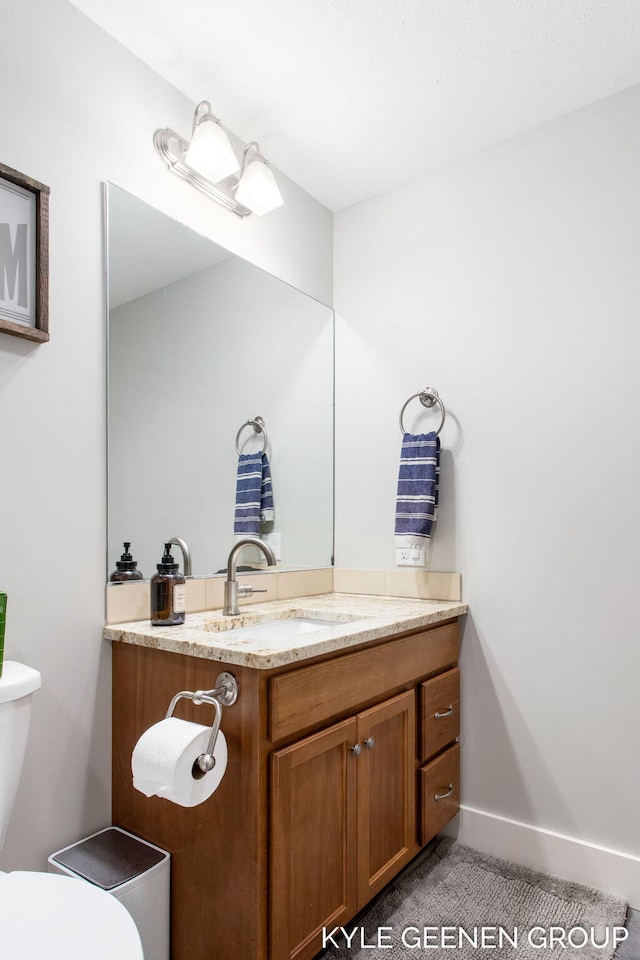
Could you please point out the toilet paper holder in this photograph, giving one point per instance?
(225, 693)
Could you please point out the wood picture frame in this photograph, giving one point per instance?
(24, 256)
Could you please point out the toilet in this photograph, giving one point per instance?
(46, 914)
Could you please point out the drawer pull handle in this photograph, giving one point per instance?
(357, 750)
(443, 796)
(447, 713)
(370, 743)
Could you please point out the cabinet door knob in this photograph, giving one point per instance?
(370, 743)
(446, 713)
(357, 750)
(442, 796)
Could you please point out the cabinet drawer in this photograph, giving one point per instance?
(439, 712)
(439, 792)
(311, 695)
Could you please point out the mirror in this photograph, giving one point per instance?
(200, 342)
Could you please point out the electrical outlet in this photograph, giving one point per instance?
(274, 540)
(410, 557)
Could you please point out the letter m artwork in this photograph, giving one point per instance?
(24, 256)
(14, 265)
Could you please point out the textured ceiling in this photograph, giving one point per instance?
(351, 97)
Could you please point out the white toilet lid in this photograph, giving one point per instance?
(46, 915)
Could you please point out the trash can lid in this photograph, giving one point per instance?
(109, 858)
(63, 918)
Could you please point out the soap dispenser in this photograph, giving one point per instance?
(168, 593)
(126, 568)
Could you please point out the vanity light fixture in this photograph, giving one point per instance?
(257, 188)
(210, 154)
(209, 163)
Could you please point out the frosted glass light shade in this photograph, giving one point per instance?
(210, 152)
(258, 189)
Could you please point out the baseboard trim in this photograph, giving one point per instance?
(554, 853)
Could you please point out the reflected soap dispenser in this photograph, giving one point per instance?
(168, 593)
(126, 567)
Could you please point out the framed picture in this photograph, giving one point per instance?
(24, 256)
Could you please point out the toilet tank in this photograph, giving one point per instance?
(17, 684)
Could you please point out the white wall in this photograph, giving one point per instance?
(510, 282)
(77, 109)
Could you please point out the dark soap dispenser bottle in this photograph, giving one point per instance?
(126, 567)
(168, 593)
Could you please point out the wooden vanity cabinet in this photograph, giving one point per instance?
(386, 838)
(313, 837)
(342, 822)
(303, 831)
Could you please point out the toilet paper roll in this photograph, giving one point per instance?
(163, 758)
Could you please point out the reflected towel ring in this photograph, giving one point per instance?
(258, 425)
(428, 397)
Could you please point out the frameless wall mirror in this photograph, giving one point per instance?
(200, 342)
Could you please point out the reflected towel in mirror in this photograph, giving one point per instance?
(254, 494)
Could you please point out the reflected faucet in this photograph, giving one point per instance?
(186, 554)
(232, 592)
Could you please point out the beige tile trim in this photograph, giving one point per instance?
(359, 581)
(414, 584)
(305, 583)
(126, 602)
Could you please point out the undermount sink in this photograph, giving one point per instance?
(288, 628)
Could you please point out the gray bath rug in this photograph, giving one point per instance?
(460, 904)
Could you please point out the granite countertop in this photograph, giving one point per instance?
(360, 619)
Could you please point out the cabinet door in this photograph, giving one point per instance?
(313, 824)
(386, 793)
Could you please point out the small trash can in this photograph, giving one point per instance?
(134, 871)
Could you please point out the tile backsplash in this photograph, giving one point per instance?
(415, 584)
(126, 602)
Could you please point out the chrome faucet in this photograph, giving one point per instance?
(232, 592)
(186, 554)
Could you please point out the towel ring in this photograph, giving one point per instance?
(258, 425)
(428, 397)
